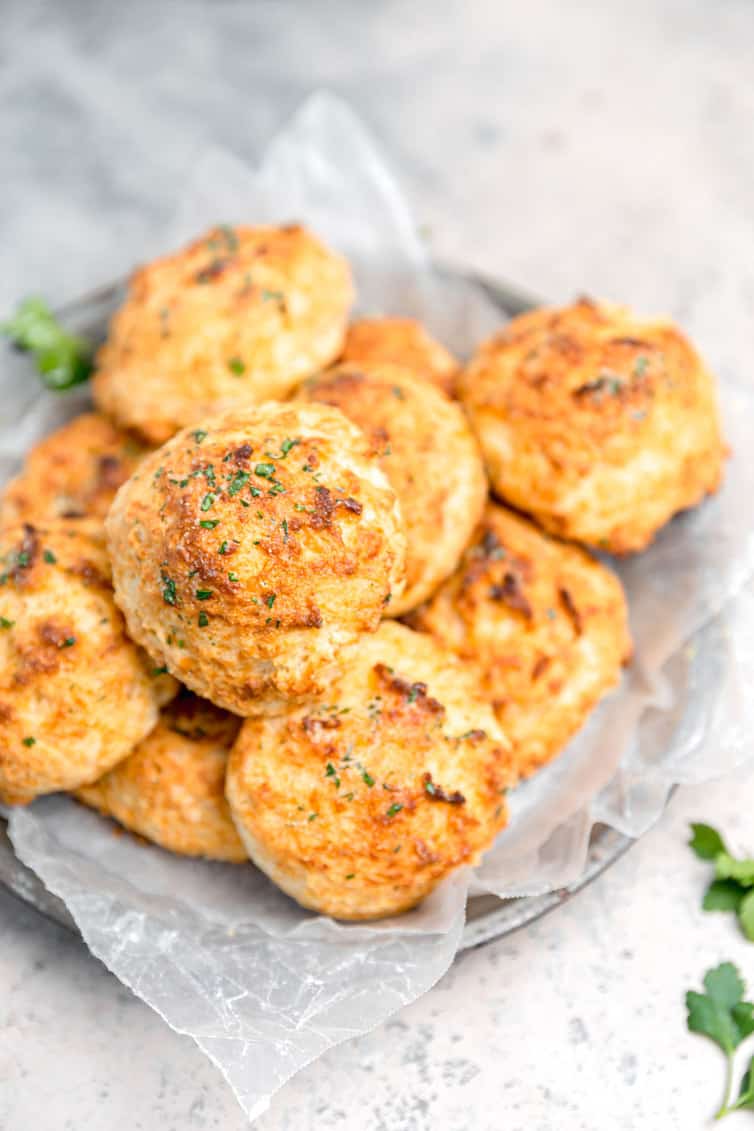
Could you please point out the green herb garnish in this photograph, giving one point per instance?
(732, 889)
(236, 366)
(203, 594)
(722, 1015)
(49, 557)
(395, 808)
(29, 741)
(207, 501)
(209, 523)
(62, 359)
(265, 470)
(202, 620)
(169, 594)
(5, 623)
(238, 481)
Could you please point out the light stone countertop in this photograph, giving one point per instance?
(595, 145)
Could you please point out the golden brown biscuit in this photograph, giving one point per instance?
(428, 453)
(360, 805)
(171, 790)
(238, 317)
(401, 341)
(546, 624)
(248, 552)
(75, 694)
(73, 473)
(599, 425)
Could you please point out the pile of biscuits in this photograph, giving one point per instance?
(260, 603)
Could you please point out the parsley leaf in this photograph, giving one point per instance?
(723, 1017)
(727, 867)
(746, 1091)
(746, 915)
(733, 886)
(723, 895)
(62, 359)
(706, 842)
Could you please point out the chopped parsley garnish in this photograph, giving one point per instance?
(49, 557)
(284, 525)
(238, 481)
(207, 501)
(233, 577)
(223, 548)
(640, 366)
(277, 488)
(312, 816)
(29, 741)
(330, 772)
(68, 642)
(5, 623)
(160, 671)
(350, 875)
(394, 808)
(203, 594)
(265, 470)
(62, 359)
(209, 523)
(272, 296)
(23, 558)
(169, 594)
(199, 435)
(367, 778)
(236, 366)
(270, 601)
(202, 620)
(285, 447)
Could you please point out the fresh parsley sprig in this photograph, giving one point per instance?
(733, 886)
(62, 359)
(722, 1015)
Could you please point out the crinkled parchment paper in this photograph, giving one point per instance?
(262, 986)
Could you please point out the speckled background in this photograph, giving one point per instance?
(594, 145)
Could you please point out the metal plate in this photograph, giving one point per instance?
(487, 917)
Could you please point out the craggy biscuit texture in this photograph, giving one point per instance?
(359, 805)
(428, 452)
(247, 552)
(171, 790)
(599, 425)
(546, 624)
(72, 473)
(236, 318)
(76, 694)
(401, 341)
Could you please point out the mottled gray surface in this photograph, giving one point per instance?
(597, 145)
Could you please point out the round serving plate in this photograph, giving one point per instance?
(487, 917)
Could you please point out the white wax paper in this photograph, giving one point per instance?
(262, 986)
